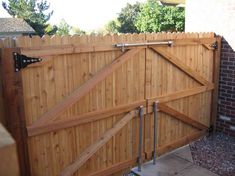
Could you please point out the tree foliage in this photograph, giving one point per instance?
(51, 29)
(34, 12)
(112, 27)
(76, 31)
(148, 17)
(155, 18)
(63, 28)
(127, 18)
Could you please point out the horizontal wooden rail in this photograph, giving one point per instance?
(101, 114)
(177, 143)
(161, 150)
(71, 99)
(179, 64)
(115, 168)
(42, 51)
(82, 118)
(65, 49)
(101, 141)
(179, 94)
(182, 117)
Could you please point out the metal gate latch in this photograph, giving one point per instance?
(22, 61)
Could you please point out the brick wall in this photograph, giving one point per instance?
(226, 108)
(218, 16)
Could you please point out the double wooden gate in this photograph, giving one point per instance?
(77, 111)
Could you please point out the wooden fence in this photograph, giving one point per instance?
(77, 111)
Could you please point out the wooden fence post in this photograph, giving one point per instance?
(216, 73)
(14, 107)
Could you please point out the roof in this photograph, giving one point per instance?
(173, 1)
(18, 25)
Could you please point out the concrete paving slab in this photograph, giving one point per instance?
(184, 152)
(167, 165)
(195, 170)
(176, 163)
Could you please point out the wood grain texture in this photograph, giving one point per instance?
(174, 60)
(216, 72)
(103, 139)
(13, 105)
(82, 119)
(182, 117)
(72, 63)
(84, 89)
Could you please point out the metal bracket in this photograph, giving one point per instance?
(22, 61)
(210, 129)
(214, 45)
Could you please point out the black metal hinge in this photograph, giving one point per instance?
(22, 61)
(211, 129)
(215, 45)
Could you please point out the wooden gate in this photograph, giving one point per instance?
(77, 111)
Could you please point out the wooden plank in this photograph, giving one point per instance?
(161, 150)
(85, 88)
(181, 142)
(9, 165)
(67, 68)
(42, 51)
(114, 168)
(2, 110)
(14, 106)
(102, 140)
(208, 46)
(216, 72)
(174, 60)
(82, 119)
(179, 94)
(178, 143)
(182, 117)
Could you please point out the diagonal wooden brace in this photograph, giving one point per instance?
(101, 141)
(186, 69)
(71, 99)
(182, 117)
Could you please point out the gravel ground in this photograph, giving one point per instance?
(216, 153)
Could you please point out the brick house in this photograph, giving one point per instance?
(219, 17)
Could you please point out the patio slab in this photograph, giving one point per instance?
(176, 163)
(184, 152)
(195, 170)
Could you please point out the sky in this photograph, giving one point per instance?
(86, 14)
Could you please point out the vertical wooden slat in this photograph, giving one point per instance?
(14, 106)
(143, 76)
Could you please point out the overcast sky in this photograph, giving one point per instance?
(85, 14)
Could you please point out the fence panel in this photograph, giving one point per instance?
(81, 102)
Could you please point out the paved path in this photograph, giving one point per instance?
(176, 163)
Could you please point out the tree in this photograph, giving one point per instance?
(112, 27)
(77, 31)
(63, 28)
(34, 12)
(155, 18)
(127, 18)
(51, 29)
